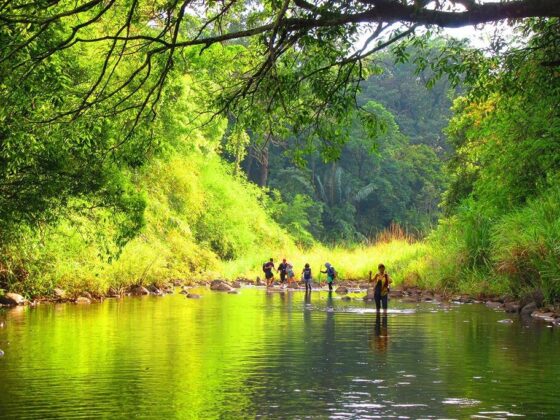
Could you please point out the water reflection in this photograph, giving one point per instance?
(379, 340)
(256, 354)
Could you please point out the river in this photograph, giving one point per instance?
(259, 354)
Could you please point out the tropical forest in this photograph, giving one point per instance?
(279, 208)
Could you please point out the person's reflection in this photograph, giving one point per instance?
(307, 309)
(379, 341)
(330, 341)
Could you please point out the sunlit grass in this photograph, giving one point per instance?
(351, 263)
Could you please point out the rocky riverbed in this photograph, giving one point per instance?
(530, 306)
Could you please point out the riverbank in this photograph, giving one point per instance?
(347, 290)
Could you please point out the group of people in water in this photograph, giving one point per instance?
(380, 282)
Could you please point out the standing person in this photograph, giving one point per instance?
(267, 268)
(291, 275)
(307, 278)
(331, 275)
(283, 270)
(381, 282)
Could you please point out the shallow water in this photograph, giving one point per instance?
(259, 354)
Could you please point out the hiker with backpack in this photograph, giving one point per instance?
(381, 282)
(307, 278)
(331, 275)
(268, 274)
(283, 270)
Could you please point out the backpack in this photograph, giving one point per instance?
(264, 267)
(332, 272)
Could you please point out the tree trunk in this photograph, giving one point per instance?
(263, 180)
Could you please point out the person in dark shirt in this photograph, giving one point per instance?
(269, 275)
(283, 270)
(381, 283)
(307, 278)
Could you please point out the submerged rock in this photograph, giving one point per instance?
(233, 292)
(341, 290)
(506, 321)
(346, 298)
(193, 296)
(12, 299)
(139, 291)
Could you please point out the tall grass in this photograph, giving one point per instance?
(351, 263)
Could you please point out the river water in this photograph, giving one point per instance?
(259, 354)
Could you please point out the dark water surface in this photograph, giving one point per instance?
(273, 355)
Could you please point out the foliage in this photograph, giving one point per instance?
(503, 192)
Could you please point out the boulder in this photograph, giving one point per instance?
(236, 284)
(59, 294)
(193, 296)
(341, 290)
(112, 292)
(139, 291)
(12, 299)
(258, 282)
(83, 300)
(512, 307)
(220, 285)
(529, 308)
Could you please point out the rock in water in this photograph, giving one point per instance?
(236, 284)
(493, 305)
(83, 300)
(341, 290)
(220, 285)
(139, 291)
(506, 321)
(529, 308)
(193, 296)
(12, 299)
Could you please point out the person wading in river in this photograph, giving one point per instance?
(283, 270)
(381, 282)
(331, 275)
(267, 268)
(307, 278)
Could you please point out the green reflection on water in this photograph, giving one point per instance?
(279, 354)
